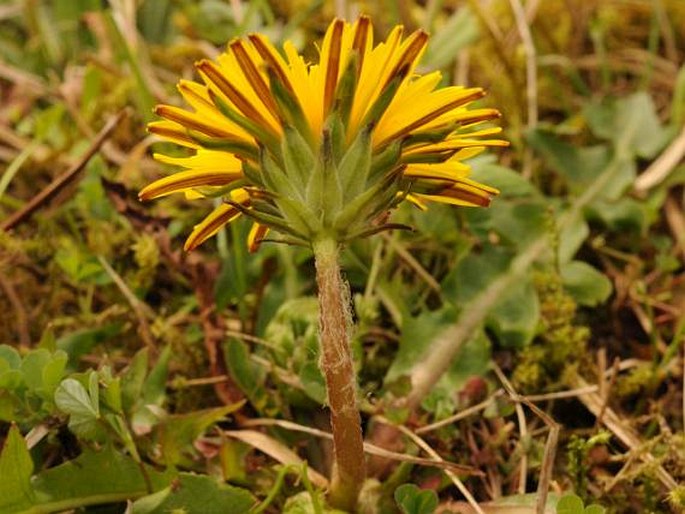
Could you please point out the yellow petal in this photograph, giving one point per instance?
(188, 180)
(219, 217)
(256, 235)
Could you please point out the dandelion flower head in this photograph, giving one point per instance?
(325, 149)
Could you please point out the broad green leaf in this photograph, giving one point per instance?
(11, 376)
(133, 379)
(622, 215)
(111, 394)
(53, 372)
(587, 285)
(147, 411)
(413, 500)
(10, 355)
(631, 123)
(248, 375)
(313, 382)
(9, 405)
(94, 478)
(595, 509)
(579, 166)
(510, 183)
(417, 334)
(514, 319)
(83, 409)
(459, 31)
(178, 432)
(520, 223)
(32, 368)
(81, 342)
(196, 494)
(154, 391)
(16, 467)
(474, 272)
(572, 236)
(72, 398)
(570, 504)
(10, 379)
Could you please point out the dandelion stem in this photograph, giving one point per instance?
(338, 368)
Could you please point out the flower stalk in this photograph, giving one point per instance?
(338, 368)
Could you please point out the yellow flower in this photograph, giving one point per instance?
(323, 149)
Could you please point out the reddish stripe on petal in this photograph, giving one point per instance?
(479, 93)
(190, 120)
(256, 236)
(188, 179)
(254, 77)
(361, 36)
(211, 225)
(481, 198)
(332, 66)
(215, 75)
(179, 135)
(417, 43)
(266, 53)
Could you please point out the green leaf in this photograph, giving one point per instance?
(196, 494)
(94, 478)
(459, 31)
(413, 500)
(572, 236)
(10, 355)
(510, 183)
(417, 334)
(154, 391)
(622, 215)
(248, 375)
(587, 285)
(83, 409)
(16, 467)
(515, 317)
(178, 432)
(595, 509)
(81, 342)
(631, 123)
(133, 379)
(578, 166)
(313, 382)
(475, 272)
(32, 368)
(519, 223)
(302, 503)
(11, 376)
(570, 504)
(53, 373)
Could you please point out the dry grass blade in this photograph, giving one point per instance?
(434, 455)
(140, 309)
(57, 185)
(550, 444)
(460, 415)
(663, 166)
(276, 450)
(369, 448)
(623, 432)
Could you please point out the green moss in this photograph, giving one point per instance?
(555, 354)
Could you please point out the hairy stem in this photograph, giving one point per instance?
(338, 368)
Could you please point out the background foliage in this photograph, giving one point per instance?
(136, 378)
